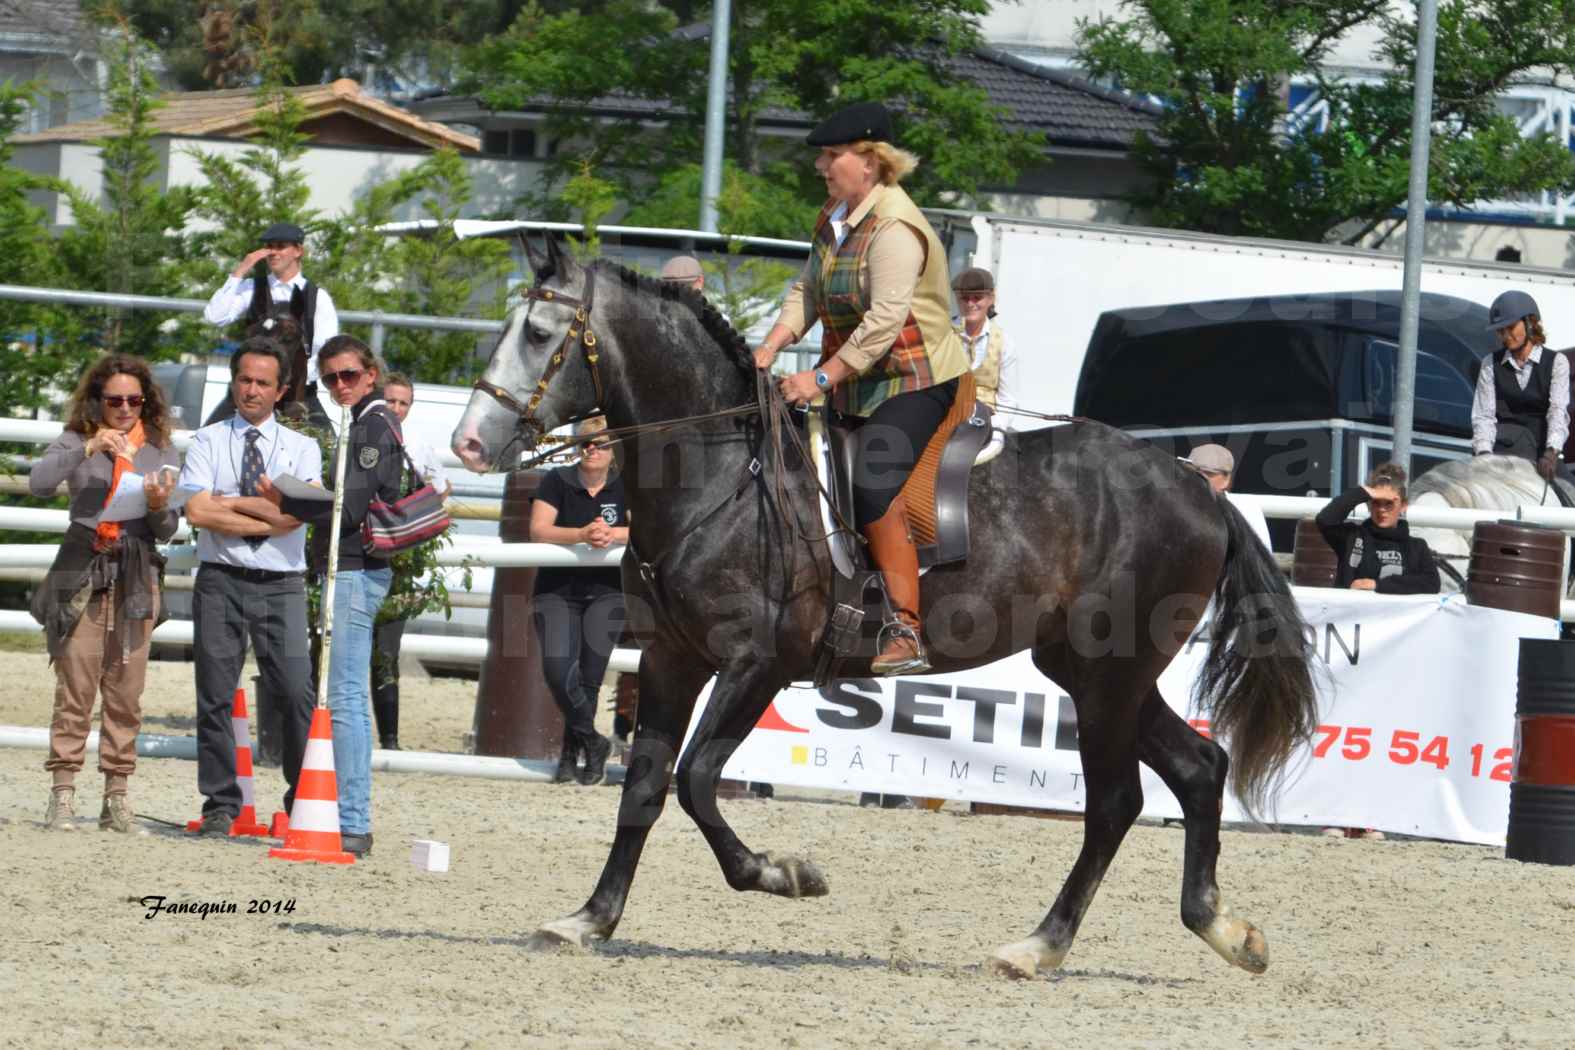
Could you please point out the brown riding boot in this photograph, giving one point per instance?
(893, 551)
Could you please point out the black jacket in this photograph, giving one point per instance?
(375, 469)
(1400, 564)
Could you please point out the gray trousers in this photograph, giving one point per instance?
(228, 609)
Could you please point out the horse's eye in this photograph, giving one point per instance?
(537, 334)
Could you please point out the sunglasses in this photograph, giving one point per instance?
(598, 446)
(1383, 504)
(119, 400)
(345, 376)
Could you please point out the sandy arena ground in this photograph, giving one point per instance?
(1371, 944)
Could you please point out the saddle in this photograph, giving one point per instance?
(937, 497)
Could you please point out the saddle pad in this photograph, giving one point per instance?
(919, 490)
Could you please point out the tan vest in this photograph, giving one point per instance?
(987, 377)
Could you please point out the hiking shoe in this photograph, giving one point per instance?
(596, 752)
(116, 814)
(62, 812)
(214, 824)
(357, 843)
(567, 759)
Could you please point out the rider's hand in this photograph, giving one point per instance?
(799, 388)
(1548, 465)
(244, 267)
(764, 355)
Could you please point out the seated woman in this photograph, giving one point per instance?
(1380, 553)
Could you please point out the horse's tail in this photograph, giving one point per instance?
(1256, 685)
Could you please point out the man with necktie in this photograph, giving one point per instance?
(251, 582)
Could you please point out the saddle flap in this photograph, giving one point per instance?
(951, 485)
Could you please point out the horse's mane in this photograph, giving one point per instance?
(716, 326)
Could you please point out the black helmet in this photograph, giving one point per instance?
(1509, 308)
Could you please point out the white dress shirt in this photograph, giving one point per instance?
(1484, 405)
(231, 302)
(213, 464)
(1006, 388)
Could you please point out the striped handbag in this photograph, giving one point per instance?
(416, 517)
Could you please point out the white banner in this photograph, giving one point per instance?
(1417, 726)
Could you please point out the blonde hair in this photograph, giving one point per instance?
(892, 163)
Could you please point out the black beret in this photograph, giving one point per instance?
(284, 231)
(974, 279)
(860, 122)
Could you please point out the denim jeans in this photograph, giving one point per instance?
(358, 594)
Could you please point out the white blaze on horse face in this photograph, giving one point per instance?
(487, 423)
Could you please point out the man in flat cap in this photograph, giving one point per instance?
(989, 353)
(684, 270)
(286, 291)
(1218, 467)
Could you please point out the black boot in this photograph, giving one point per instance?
(597, 748)
(568, 757)
(385, 710)
(389, 742)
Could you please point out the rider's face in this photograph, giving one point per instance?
(1513, 337)
(849, 176)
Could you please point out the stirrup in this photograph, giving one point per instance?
(916, 664)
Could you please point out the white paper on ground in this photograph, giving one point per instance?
(295, 488)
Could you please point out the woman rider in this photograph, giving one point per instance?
(877, 282)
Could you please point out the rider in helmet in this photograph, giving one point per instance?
(1522, 400)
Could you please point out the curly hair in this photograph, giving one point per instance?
(1389, 476)
(85, 415)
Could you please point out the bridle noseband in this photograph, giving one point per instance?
(579, 333)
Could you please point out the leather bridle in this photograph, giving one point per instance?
(527, 427)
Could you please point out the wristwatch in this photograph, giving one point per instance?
(822, 380)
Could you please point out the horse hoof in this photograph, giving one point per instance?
(1024, 960)
(1238, 942)
(562, 934)
(791, 877)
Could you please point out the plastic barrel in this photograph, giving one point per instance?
(1313, 562)
(1542, 794)
(1516, 567)
(515, 713)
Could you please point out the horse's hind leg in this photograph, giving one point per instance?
(1107, 709)
(668, 687)
(1194, 769)
(740, 697)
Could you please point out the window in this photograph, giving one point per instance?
(1443, 393)
(510, 142)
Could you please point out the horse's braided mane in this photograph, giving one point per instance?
(710, 318)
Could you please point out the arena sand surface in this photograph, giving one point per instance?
(1371, 944)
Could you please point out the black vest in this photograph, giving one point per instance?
(1526, 408)
(302, 304)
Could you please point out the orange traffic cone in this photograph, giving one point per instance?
(246, 822)
(314, 820)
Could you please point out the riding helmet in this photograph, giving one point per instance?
(1510, 307)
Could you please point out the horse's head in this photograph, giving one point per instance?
(543, 372)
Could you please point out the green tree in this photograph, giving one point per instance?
(131, 239)
(1226, 158)
(782, 55)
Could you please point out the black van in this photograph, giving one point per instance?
(1300, 388)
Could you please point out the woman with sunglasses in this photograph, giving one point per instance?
(100, 600)
(374, 468)
(578, 614)
(1378, 554)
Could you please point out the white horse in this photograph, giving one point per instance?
(1479, 483)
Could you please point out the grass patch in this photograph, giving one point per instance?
(21, 642)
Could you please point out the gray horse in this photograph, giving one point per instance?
(1095, 551)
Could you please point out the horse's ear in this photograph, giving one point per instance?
(539, 263)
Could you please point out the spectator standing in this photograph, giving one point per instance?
(241, 295)
(389, 632)
(1521, 407)
(578, 614)
(1218, 467)
(373, 469)
(100, 601)
(251, 577)
(990, 354)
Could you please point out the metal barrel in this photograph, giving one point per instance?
(1313, 561)
(1542, 793)
(515, 714)
(1516, 567)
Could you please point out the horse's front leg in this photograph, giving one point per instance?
(669, 684)
(741, 696)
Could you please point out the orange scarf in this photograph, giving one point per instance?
(109, 531)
